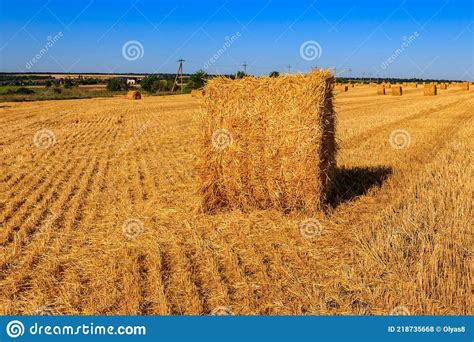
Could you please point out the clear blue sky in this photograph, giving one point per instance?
(426, 39)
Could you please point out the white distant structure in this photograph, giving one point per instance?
(131, 81)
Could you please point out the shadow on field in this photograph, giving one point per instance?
(354, 182)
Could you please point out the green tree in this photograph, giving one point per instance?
(48, 84)
(161, 85)
(114, 84)
(148, 82)
(68, 83)
(240, 74)
(274, 74)
(197, 80)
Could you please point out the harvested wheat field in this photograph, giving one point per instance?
(99, 215)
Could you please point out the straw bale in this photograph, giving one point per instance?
(267, 143)
(381, 89)
(397, 90)
(430, 90)
(134, 94)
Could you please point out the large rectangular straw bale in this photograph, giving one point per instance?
(397, 90)
(267, 143)
(465, 85)
(430, 90)
(381, 89)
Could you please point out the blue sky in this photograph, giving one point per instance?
(426, 39)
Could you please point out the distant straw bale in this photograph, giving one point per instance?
(134, 95)
(465, 85)
(430, 90)
(381, 89)
(267, 143)
(343, 88)
(397, 90)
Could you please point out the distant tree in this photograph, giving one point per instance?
(24, 91)
(161, 85)
(240, 74)
(48, 84)
(197, 80)
(148, 82)
(68, 83)
(114, 84)
(274, 74)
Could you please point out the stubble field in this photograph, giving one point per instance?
(104, 220)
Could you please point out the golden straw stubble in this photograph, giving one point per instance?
(267, 143)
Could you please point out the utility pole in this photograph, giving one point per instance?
(245, 67)
(289, 68)
(179, 75)
(350, 73)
